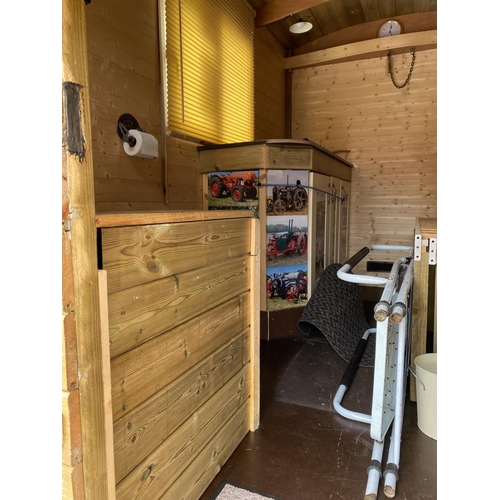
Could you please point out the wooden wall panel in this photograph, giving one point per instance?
(184, 189)
(136, 255)
(183, 376)
(124, 77)
(390, 133)
(269, 87)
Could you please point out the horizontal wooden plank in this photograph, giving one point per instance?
(169, 452)
(106, 113)
(423, 40)
(147, 217)
(126, 167)
(139, 432)
(141, 15)
(119, 207)
(128, 190)
(178, 177)
(363, 67)
(111, 71)
(122, 31)
(106, 141)
(143, 312)
(373, 71)
(237, 158)
(387, 149)
(380, 86)
(201, 471)
(141, 254)
(141, 372)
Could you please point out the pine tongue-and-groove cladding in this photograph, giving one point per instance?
(390, 133)
(181, 353)
(269, 87)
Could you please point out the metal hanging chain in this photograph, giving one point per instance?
(412, 51)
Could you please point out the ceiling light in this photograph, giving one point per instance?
(300, 26)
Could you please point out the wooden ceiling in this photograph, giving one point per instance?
(339, 22)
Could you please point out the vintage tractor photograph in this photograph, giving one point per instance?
(238, 185)
(289, 286)
(287, 198)
(286, 242)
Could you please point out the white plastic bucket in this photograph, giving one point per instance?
(426, 371)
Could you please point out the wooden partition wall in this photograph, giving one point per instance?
(183, 335)
(390, 133)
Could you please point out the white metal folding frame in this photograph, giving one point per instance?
(392, 345)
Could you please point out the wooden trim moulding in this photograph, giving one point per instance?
(166, 217)
(367, 49)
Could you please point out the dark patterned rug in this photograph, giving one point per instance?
(336, 310)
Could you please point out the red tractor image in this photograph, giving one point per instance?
(286, 242)
(237, 184)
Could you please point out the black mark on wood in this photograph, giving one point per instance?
(74, 136)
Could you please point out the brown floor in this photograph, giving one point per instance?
(304, 450)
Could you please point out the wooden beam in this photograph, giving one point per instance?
(412, 23)
(279, 9)
(367, 49)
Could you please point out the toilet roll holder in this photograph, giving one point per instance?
(127, 122)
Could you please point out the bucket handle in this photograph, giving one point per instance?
(415, 375)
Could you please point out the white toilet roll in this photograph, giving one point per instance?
(146, 145)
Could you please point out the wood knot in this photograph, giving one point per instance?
(152, 267)
(147, 472)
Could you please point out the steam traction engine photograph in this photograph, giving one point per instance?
(286, 257)
(292, 241)
(291, 286)
(287, 198)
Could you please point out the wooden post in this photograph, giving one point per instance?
(255, 327)
(419, 315)
(106, 375)
(79, 271)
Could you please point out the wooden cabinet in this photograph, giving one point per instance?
(183, 346)
(302, 201)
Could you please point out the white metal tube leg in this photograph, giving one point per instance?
(384, 304)
(374, 471)
(391, 471)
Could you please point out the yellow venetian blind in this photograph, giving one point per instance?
(210, 69)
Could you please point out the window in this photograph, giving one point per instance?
(209, 69)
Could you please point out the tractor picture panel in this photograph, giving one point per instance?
(233, 191)
(287, 192)
(286, 261)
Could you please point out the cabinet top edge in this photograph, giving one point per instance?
(278, 142)
(165, 217)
